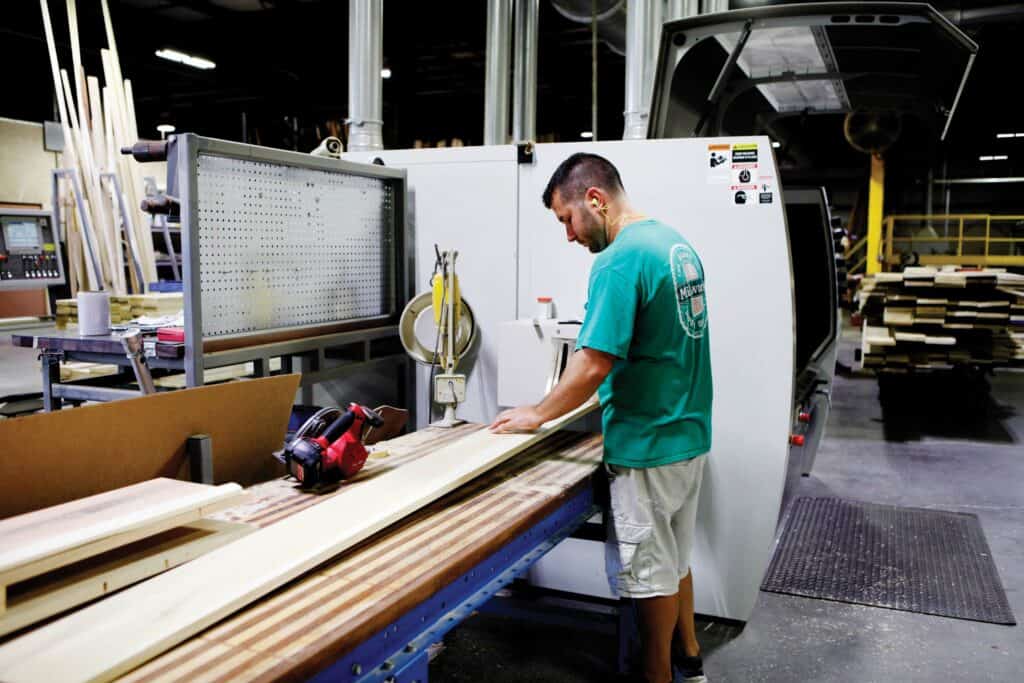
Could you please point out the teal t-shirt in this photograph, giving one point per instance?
(646, 305)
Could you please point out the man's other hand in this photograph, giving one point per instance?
(521, 419)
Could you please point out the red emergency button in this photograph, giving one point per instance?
(804, 417)
(797, 439)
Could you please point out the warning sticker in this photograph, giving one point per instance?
(718, 164)
(745, 176)
(744, 153)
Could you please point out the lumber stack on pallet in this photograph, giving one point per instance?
(927, 319)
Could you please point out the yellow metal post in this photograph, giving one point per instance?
(876, 199)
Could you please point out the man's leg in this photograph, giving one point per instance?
(658, 619)
(686, 631)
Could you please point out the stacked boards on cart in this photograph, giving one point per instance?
(927, 318)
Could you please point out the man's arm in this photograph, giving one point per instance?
(583, 375)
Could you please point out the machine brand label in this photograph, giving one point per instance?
(688, 278)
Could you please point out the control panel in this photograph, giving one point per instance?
(29, 250)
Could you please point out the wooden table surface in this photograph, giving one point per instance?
(310, 623)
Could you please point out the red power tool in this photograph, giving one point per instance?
(323, 453)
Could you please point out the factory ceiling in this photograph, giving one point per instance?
(282, 68)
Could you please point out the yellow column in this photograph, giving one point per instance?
(876, 200)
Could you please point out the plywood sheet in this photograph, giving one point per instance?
(89, 450)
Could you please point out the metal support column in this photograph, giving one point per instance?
(51, 375)
(496, 86)
(524, 94)
(876, 202)
(365, 89)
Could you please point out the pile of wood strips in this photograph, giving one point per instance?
(927, 319)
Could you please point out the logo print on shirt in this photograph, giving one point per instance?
(689, 283)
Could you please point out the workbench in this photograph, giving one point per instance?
(356, 350)
(371, 613)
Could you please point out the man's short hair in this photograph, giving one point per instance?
(580, 171)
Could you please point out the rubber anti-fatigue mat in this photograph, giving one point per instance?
(911, 559)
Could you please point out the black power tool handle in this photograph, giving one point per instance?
(339, 426)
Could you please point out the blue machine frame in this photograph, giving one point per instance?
(398, 652)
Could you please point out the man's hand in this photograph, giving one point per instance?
(521, 419)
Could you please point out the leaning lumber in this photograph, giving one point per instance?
(115, 635)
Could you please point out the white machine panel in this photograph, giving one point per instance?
(464, 198)
(263, 228)
(746, 259)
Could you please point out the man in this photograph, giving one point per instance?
(644, 346)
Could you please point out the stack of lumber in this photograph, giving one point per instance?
(156, 305)
(124, 309)
(66, 555)
(97, 121)
(926, 319)
(120, 311)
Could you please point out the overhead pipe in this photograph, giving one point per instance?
(681, 9)
(524, 94)
(496, 85)
(365, 61)
(639, 30)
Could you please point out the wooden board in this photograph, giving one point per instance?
(102, 447)
(37, 542)
(117, 634)
(58, 591)
(297, 631)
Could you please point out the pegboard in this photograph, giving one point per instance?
(284, 246)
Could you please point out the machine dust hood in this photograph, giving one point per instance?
(740, 72)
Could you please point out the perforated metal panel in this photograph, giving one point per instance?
(285, 246)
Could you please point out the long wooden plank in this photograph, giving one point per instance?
(113, 636)
(53, 537)
(116, 569)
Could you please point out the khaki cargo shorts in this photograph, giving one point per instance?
(651, 526)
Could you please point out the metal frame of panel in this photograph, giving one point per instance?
(272, 341)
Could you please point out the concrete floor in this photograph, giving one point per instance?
(953, 450)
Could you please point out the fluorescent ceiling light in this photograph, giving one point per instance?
(776, 144)
(587, 134)
(1004, 135)
(165, 128)
(385, 73)
(187, 60)
(996, 157)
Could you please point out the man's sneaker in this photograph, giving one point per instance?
(690, 669)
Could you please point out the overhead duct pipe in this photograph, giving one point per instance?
(496, 86)
(681, 9)
(640, 16)
(524, 94)
(365, 61)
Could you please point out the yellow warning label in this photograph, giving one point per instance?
(49, 246)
